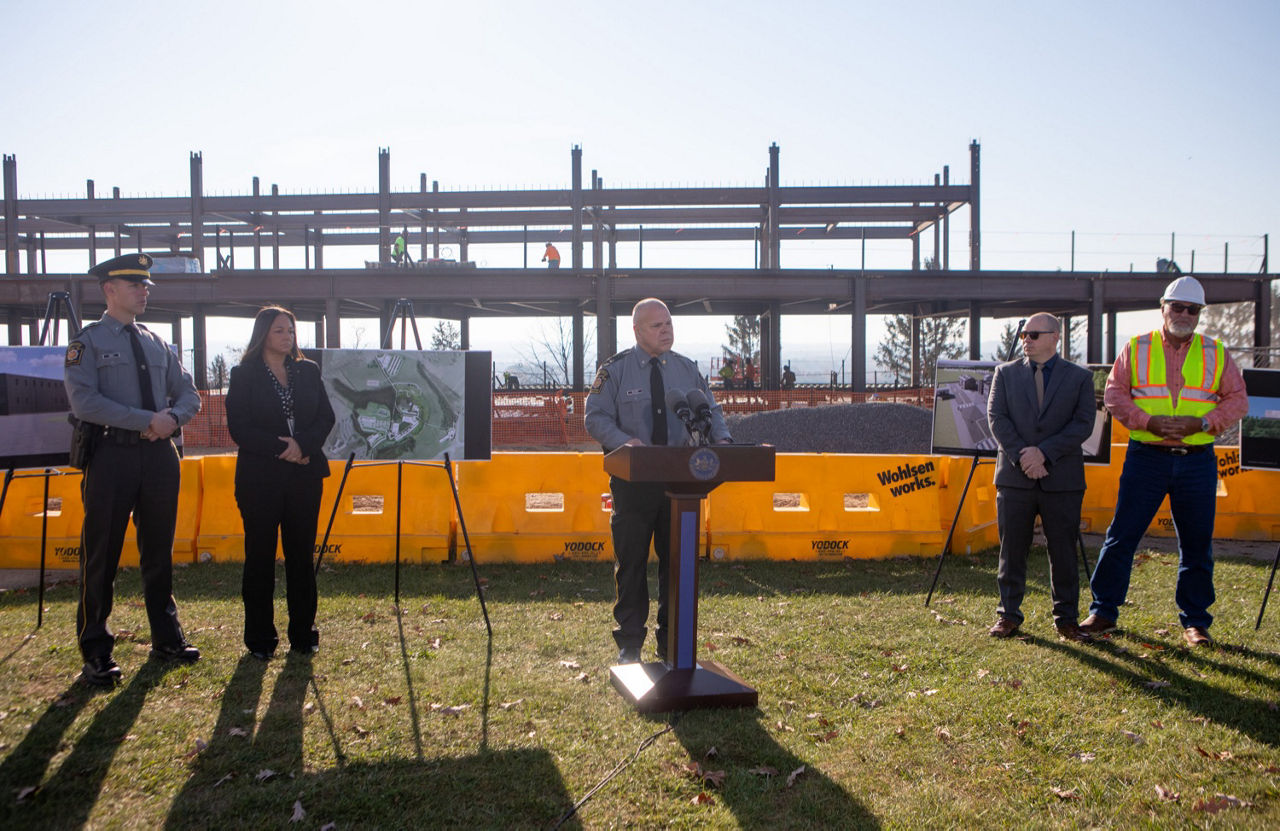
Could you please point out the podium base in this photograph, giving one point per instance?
(657, 688)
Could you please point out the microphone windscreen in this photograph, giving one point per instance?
(674, 398)
(698, 401)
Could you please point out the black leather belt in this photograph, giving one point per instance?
(1180, 450)
(122, 437)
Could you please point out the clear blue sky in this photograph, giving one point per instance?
(1125, 122)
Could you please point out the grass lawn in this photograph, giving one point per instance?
(874, 710)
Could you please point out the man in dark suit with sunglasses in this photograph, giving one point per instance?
(1041, 408)
(1175, 390)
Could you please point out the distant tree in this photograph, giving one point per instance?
(552, 348)
(1007, 342)
(1232, 323)
(446, 336)
(940, 337)
(219, 372)
(744, 339)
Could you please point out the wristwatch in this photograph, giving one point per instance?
(1204, 424)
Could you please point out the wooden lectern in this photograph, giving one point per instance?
(683, 682)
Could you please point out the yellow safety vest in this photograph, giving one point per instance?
(1201, 375)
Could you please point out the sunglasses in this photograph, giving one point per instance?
(1028, 334)
(1183, 308)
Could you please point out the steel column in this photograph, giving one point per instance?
(579, 350)
(10, 214)
(1093, 349)
(332, 324)
(197, 211)
(975, 330)
(975, 214)
(384, 206)
(575, 207)
(858, 340)
(199, 348)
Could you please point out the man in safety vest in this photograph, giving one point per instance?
(1175, 390)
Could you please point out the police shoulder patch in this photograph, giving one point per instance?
(601, 377)
(75, 351)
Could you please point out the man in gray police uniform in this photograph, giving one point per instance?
(627, 405)
(131, 391)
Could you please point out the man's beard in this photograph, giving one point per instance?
(1182, 330)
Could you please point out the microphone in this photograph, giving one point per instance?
(677, 404)
(701, 405)
(1013, 347)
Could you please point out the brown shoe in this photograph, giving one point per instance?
(1097, 625)
(1072, 632)
(1197, 636)
(1003, 628)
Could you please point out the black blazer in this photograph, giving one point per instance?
(1058, 428)
(256, 420)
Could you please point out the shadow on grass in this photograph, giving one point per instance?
(1162, 681)
(68, 798)
(229, 789)
(766, 802)
(25, 766)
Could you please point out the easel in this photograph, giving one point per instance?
(404, 311)
(59, 301)
(946, 548)
(1267, 593)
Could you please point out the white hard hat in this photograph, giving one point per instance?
(1187, 289)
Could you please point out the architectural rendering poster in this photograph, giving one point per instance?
(1260, 428)
(404, 405)
(960, 426)
(960, 391)
(34, 431)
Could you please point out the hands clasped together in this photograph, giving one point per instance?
(292, 452)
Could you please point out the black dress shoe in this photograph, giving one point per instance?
(261, 655)
(306, 651)
(629, 655)
(184, 652)
(100, 672)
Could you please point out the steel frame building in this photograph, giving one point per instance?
(261, 224)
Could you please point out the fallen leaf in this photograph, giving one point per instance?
(1014, 683)
(711, 753)
(571, 665)
(786, 728)
(298, 813)
(714, 778)
(265, 774)
(1065, 794)
(1156, 685)
(1162, 633)
(452, 711)
(930, 692)
(788, 706)
(1084, 756)
(1167, 795)
(329, 826)
(763, 770)
(238, 731)
(701, 799)
(357, 702)
(741, 641)
(226, 778)
(434, 643)
(1220, 802)
(1157, 723)
(582, 676)
(393, 700)
(1021, 729)
(899, 667)
(508, 705)
(346, 661)
(825, 737)
(359, 731)
(27, 791)
(1133, 737)
(556, 616)
(901, 732)
(710, 646)
(369, 618)
(794, 775)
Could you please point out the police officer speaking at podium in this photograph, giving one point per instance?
(132, 395)
(628, 404)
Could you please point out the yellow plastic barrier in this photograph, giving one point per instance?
(976, 527)
(536, 507)
(830, 506)
(364, 528)
(21, 519)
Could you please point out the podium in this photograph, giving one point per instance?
(683, 682)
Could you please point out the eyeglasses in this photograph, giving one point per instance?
(1185, 308)
(1028, 334)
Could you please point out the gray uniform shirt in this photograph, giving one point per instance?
(101, 377)
(618, 407)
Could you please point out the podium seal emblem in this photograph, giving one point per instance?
(704, 464)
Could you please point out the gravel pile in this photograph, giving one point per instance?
(875, 427)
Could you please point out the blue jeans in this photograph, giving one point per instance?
(1191, 483)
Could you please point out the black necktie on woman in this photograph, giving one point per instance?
(144, 374)
(657, 402)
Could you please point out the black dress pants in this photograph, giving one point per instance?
(140, 478)
(641, 513)
(291, 511)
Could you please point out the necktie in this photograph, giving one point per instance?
(657, 402)
(1039, 385)
(144, 375)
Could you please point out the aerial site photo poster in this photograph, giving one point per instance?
(34, 431)
(1260, 428)
(407, 405)
(960, 426)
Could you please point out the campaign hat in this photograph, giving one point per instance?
(133, 267)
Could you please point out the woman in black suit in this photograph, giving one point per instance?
(279, 415)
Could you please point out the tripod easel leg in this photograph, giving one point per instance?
(955, 521)
(1267, 594)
